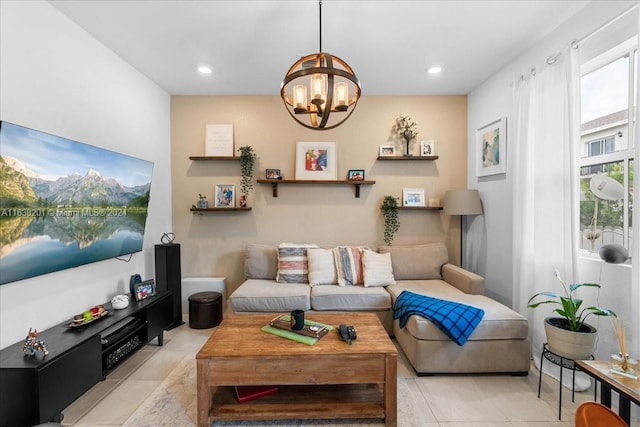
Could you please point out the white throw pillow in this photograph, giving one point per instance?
(378, 270)
(322, 268)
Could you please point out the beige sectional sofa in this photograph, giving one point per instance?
(500, 343)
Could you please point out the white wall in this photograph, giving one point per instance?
(490, 235)
(56, 78)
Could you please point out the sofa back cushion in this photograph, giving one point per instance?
(261, 262)
(419, 262)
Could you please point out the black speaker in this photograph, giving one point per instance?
(169, 278)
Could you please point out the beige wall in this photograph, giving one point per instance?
(213, 244)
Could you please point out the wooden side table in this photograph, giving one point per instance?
(628, 389)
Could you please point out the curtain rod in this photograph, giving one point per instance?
(576, 43)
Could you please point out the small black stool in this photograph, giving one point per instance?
(205, 310)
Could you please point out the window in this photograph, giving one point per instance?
(606, 165)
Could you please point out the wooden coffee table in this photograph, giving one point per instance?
(327, 380)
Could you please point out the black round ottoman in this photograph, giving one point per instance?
(205, 310)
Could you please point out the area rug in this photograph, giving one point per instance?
(173, 403)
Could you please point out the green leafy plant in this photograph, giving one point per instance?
(247, 163)
(569, 304)
(202, 197)
(390, 216)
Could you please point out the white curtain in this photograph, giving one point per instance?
(545, 185)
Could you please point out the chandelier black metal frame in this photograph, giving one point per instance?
(331, 80)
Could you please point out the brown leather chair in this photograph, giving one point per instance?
(594, 414)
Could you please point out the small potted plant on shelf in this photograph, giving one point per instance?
(407, 130)
(247, 163)
(569, 335)
(202, 204)
(390, 216)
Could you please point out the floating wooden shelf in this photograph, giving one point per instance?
(274, 183)
(219, 209)
(420, 208)
(408, 158)
(214, 158)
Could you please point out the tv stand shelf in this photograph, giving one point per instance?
(35, 389)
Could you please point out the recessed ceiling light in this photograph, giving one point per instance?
(434, 70)
(204, 70)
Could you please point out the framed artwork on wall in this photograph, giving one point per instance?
(413, 197)
(225, 196)
(316, 161)
(491, 148)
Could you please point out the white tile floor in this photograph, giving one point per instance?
(430, 401)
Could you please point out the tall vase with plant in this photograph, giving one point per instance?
(406, 129)
(247, 163)
(390, 216)
(579, 342)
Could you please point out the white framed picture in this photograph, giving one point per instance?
(491, 148)
(316, 161)
(225, 196)
(219, 140)
(427, 148)
(387, 151)
(413, 197)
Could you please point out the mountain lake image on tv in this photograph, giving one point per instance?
(64, 203)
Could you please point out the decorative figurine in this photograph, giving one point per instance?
(243, 201)
(33, 344)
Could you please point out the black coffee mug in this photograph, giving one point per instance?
(297, 320)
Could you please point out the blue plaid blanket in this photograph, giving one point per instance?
(456, 320)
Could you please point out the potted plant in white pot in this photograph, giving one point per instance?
(569, 336)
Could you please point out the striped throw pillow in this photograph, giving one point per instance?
(292, 263)
(348, 261)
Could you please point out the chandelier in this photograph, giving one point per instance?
(331, 95)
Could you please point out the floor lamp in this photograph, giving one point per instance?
(463, 203)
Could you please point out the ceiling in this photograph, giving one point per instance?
(250, 45)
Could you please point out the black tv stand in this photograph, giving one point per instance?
(36, 389)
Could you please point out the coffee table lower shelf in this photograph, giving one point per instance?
(365, 401)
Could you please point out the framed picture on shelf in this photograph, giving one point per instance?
(413, 197)
(142, 290)
(316, 161)
(225, 196)
(387, 151)
(355, 175)
(273, 174)
(428, 148)
(491, 148)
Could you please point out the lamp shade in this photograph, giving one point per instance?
(613, 253)
(462, 202)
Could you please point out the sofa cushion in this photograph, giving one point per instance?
(292, 263)
(377, 269)
(322, 267)
(260, 262)
(418, 262)
(269, 296)
(349, 298)
(348, 261)
(499, 321)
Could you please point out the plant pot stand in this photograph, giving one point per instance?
(562, 362)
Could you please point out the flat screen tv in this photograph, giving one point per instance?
(64, 203)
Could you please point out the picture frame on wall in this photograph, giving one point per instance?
(143, 290)
(427, 148)
(387, 151)
(316, 161)
(225, 196)
(491, 148)
(413, 197)
(355, 175)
